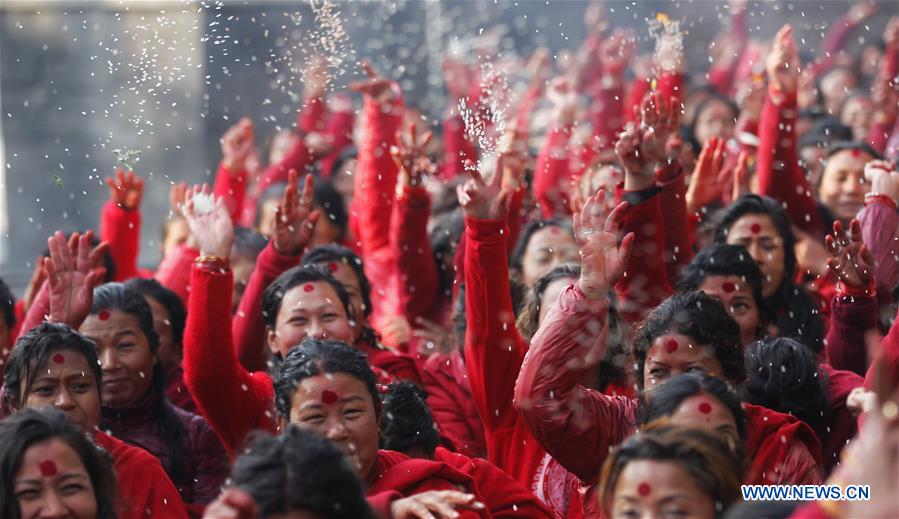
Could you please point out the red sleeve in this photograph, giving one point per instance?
(297, 158)
(376, 174)
(880, 222)
(551, 175)
(311, 118)
(576, 425)
(232, 187)
(671, 84)
(608, 114)
(850, 319)
(419, 283)
(121, 228)
(778, 171)
(457, 149)
(516, 217)
(645, 283)
(523, 115)
(247, 327)
(494, 350)
(174, 270)
(678, 232)
(38, 311)
(381, 502)
(888, 358)
(635, 95)
(339, 129)
(452, 406)
(834, 41)
(232, 400)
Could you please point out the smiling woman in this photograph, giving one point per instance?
(50, 468)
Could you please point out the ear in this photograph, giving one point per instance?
(271, 339)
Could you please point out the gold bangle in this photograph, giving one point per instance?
(212, 259)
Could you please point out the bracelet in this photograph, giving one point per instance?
(213, 259)
(845, 290)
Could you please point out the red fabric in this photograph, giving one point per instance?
(887, 360)
(494, 352)
(503, 496)
(515, 217)
(247, 326)
(121, 228)
(578, 426)
(834, 41)
(457, 149)
(451, 403)
(339, 129)
(645, 283)
(608, 115)
(551, 174)
(880, 232)
(233, 400)
(850, 319)
(778, 171)
(231, 186)
(176, 390)
(311, 118)
(174, 270)
(842, 425)
(38, 311)
(395, 472)
(678, 234)
(143, 486)
(419, 282)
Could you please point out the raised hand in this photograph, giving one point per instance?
(434, 338)
(237, 145)
(434, 504)
(861, 11)
(125, 189)
(209, 222)
(233, 503)
(376, 87)
(660, 119)
(73, 271)
(782, 65)
(884, 178)
(481, 200)
(615, 53)
(705, 188)
(850, 259)
(411, 158)
(563, 98)
(316, 78)
(294, 217)
(603, 259)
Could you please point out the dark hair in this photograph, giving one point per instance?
(667, 397)
(247, 243)
(721, 259)
(444, 239)
(149, 287)
(108, 263)
(711, 463)
(346, 154)
(703, 319)
(795, 313)
(321, 357)
(863, 147)
(406, 420)
(30, 427)
(784, 376)
(7, 307)
(824, 131)
(528, 232)
(339, 253)
(332, 205)
(116, 296)
(274, 293)
(300, 471)
(529, 315)
(32, 351)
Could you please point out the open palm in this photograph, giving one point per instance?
(603, 259)
(73, 271)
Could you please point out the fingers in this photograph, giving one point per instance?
(613, 222)
(475, 176)
(308, 196)
(855, 230)
(498, 174)
(368, 69)
(82, 260)
(624, 251)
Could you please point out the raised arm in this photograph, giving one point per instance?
(120, 222)
(551, 173)
(231, 179)
(577, 426)
(233, 401)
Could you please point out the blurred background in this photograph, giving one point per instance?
(83, 81)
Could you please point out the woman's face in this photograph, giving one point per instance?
(757, 233)
(736, 296)
(125, 356)
(856, 114)
(843, 184)
(673, 354)
(659, 489)
(168, 351)
(347, 277)
(53, 482)
(551, 295)
(309, 310)
(340, 408)
(547, 248)
(715, 120)
(709, 414)
(66, 381)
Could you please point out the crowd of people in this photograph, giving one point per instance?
(645, 288)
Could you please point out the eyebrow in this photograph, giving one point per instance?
(345, 400)
(61, 478)
(306, 308)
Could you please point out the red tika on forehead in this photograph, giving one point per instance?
(103, 315)
(644, 489)
(705, 408)
(308, 288)
(329, 397)
(856, 153)
(671, 346)
(48, 468)
(756, 228)
(333, 267)
(59, 358)
(728, 287)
